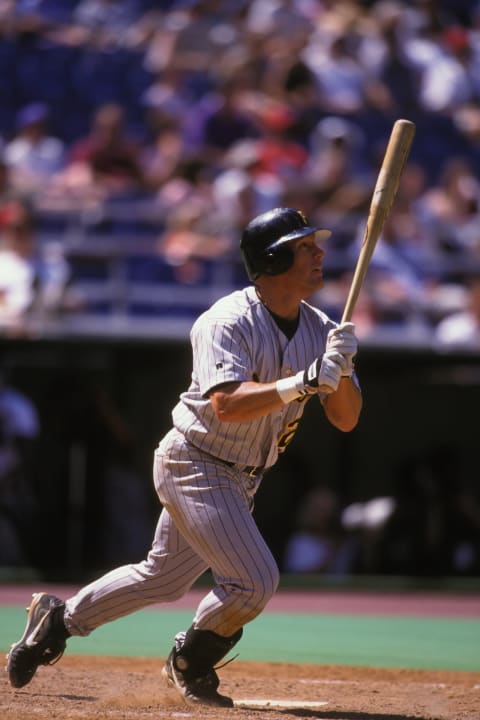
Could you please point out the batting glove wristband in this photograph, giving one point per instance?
(325, 371)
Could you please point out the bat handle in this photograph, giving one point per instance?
(348, 312)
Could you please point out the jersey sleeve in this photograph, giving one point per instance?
(220, 354)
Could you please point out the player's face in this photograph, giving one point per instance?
(307, 268)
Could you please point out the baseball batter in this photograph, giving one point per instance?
(259, 354)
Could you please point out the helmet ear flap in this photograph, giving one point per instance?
(269, 262)
(279, 260)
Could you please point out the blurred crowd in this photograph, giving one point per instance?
(192, 116)
(428, 527)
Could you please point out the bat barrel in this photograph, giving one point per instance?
(386, 187)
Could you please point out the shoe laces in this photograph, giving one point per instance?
(56, 654)
(227, 662)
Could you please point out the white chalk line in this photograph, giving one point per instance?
(270, 702)
(313, 681)
(330, 682)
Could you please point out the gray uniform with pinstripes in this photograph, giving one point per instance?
(206, 519)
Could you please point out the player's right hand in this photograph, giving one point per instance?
(325, 372)
(342, 339)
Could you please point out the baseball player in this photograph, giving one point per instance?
(259, 354)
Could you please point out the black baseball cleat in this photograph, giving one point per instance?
(42, 643)
(200, 690)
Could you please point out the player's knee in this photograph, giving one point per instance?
(274, 579)
(259, 592)
(266, 581)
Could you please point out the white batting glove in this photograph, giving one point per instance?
(330, 368)
(323, 375)
(342, 339)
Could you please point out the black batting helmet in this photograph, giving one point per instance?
(265, 243)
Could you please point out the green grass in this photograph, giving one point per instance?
(417, 643)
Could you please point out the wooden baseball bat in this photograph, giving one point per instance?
(383, 196)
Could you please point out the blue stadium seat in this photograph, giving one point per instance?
(145, 268)
(157, 288)
(99, 77)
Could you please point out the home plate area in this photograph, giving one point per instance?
(104, 688)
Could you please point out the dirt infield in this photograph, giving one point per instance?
(89, 688)
(101, 688)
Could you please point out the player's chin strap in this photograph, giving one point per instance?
(198, 651)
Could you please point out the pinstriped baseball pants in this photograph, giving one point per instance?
(206, 522)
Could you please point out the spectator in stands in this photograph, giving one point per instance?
(203, 31)
(280, 154)
(450, 78)
(106, 19)
(8, 191)
(393, 85)
(462, 329)
(365, 522)
(33, 155)
(451, 208)
(19, 430)
(188, 240)
(318, 543)
(4, 181)
(282, 19)
(166, 99)
(434, 529)
(33, 280)
(337, 166)
(298, 89)
(17, 271)
(242, 190)
(162, 154)
(394, 290)
(228, 122)
(191, 183)
(109, 154)
(340, 76)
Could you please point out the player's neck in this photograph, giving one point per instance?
(280, 305)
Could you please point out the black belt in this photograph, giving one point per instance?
(251, 470)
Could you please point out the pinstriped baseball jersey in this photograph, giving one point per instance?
(206, 519)
(202, 471)
(237, 340)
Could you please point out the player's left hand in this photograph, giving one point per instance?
(324, 373)
(343, 340)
